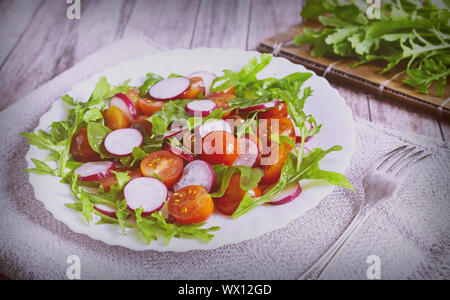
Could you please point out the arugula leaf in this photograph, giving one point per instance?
(151, 80)
(96, 134)
(414, 36)
(137, 155)
(41, 168)
(309, 170)
(250, 177)
(155, 227)
(171, 111)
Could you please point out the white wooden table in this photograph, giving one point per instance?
(38, 42)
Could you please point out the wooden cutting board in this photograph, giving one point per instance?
(367, 75)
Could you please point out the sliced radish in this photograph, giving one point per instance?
(248, 152)
(267, 105)
(178, 151)
(291, 192)
(213, 125)
(169, 89)
(93, 171)
(208, 79)
(197, 172)
(174, 132)
(147, 193)
(121, 142)
(201, 108)
(124, 103)
(106, 210)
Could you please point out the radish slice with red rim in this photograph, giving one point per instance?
(179, 151)
(93, 171)
(248, 152)
(207, 78)
(291, 192)
(124, 103)
(147, 193)
(198, 172)
(169, 89)
(106, 210)
(213, 125)
(121, 142)
(174, 132)
(201, 108)
(262, 106)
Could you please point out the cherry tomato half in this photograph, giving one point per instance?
(133, 95)
(222, 100)
(197, 87)
(142, 124)
(80, 148)
(281, 110)
(229, 202)
(149, 106)
(273, 164)
(111, 180)
(280, 126)
(220, 147)
(163, 165)
(115, 118)
(191, 205)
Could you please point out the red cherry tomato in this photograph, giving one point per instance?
(191, 205)
(163, 165)
(273, 164)
(281, 110)
(80, 148)
(229, 202)
(149, 106)
(115, 118)
(133, 95)
(197, 87)
(141, 123)
(280, 126)
(222, 100)
(220, 147)
(109, 181)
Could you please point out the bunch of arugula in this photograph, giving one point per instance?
(58, 142)
(414, 35)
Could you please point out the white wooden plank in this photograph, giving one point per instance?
(270, 17)
(53, 43)
(14, 19)
(222, 24)
(169, 23)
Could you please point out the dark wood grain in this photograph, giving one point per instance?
(269, 17)
(222, 24)
(52, 43)
(170, 23)
(15, 16)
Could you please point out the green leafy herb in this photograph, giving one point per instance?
(250, 177)
(155, 226)
(151, 80)
(407, 32)
(309, 170)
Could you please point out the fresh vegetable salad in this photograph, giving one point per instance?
(165, 156)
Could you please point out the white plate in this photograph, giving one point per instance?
(326, 105)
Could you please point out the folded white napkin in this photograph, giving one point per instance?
(409, 233)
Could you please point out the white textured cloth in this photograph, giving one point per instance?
(410, 232)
